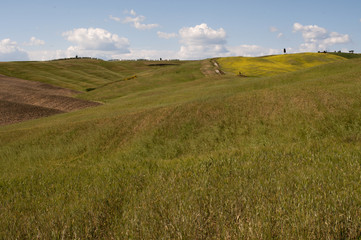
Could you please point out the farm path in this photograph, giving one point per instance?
(210, 67)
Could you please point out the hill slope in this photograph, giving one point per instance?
(78, 74)
(272, 65)
(192, 157)
(22, 100)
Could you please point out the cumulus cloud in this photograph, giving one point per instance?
(202, 34)
(35, 42)
(137, 21)
(318, 38)
(10, 51)
(93, 42)
(96, 39)
(202, 41)
(166, 35)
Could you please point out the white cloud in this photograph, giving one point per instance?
(73, 51)
(89, 42)
(115, 18)
(44, 55)
(35, 42)
(318, 38)
(137, 21)
(96, 39)
(10, 51)
(133, 13)
(201, 52)
(202, 41)
(147, 54)
(202, 34)
(251, 51)
(132, 54)
(279, 35)
(166, 35)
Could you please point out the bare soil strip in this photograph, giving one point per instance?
(22, 100)
(211, 68)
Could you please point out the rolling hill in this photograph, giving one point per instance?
(175, 154)
(276, 64)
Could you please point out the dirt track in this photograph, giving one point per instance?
(211, 68)
(22, 100)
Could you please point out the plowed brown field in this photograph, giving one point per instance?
(22, 100)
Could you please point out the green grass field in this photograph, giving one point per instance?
(173, 154)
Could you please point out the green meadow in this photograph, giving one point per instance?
(175, 154)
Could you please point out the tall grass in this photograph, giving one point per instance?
(192, 158)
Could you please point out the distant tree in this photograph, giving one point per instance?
(284, 50)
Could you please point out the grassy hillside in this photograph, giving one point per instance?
(79, 74)
(173, 154)
(276, 64)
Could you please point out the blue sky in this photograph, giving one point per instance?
(197, 29)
